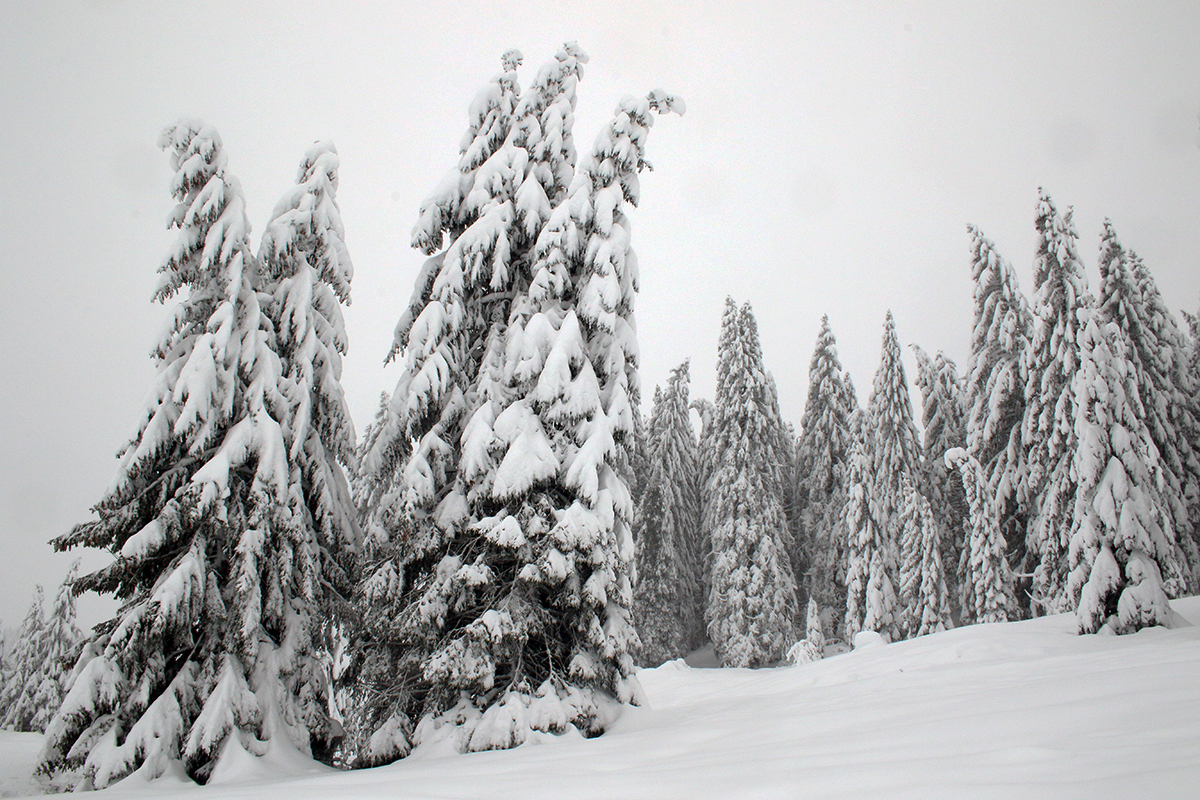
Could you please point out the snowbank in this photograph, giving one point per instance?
(1020, 710)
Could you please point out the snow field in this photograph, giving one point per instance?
(1021, 710)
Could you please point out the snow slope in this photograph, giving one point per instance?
(1024, 710)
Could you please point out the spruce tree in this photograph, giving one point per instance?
(812, 647)
(502, 604)
(667, 608)
(924, 596)
(218, 570)
(942, 414)
(752, 598)
(986, 588)
(24, 676)
(995, 387)
(1158, 355)
(822, 453)
(1048, 429)
(1122, 550)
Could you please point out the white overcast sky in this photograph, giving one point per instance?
(830, 159)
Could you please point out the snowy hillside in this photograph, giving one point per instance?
(1023, 709)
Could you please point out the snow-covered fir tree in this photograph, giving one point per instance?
(871, 556)
(812, 647)
(986, 588)
(821, 456)
(751, 610)
(23, 675)
(890, 454)
(503, 606)
(1158, 354)
(1122, 549)
(924, 596)
(945, 429)
(995, 387)
(216, 562)
(667, 606)
(1048, 428)
(61, 640)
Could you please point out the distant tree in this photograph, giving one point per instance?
(924, 596)
(502, 605)
(995, 388)
(945, 429)
(667, 608)
(752, 600)
(1122, 553)
(986, 588)
(23, 678)
(822, 454)
(871, 568)
(1048, 429)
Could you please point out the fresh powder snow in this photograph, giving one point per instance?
(1019, 709)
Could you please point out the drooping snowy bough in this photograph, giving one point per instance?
(221, 521)
(497, 595)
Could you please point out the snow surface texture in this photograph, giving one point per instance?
(1023, 709)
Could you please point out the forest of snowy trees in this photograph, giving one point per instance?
(511, 537)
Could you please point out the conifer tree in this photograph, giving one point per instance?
(822, 453)
(995, 388)
(752, 599)
(986, 588)
(24, 675)
(1158, 355)
(894, 443)
(1122, 551)
(942, 413)
(667, 607)
(923, 593)
(218, 570)
(503, 605)
(812, 647)
(61, 639)
(1048, 428)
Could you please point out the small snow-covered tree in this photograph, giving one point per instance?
(667, 607)
(24, 675)
(502, 606)
(995, 386)
(822, 453)
(986, 588)
(923, 594)
(894, 444)
(61, 639)
(1122, 552)
(752, 597)
(219, 574)
(1048, 429)
(812, 647)
(942, 413)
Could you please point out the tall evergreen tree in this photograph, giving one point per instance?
(1048, 428)
(1158, 355)
(667, 608)
(986, 588)
(505, 609)
(923, 593)
(1122, 552)
(871, 568)
(752, 599)
(945, 429)
(995, 387)
(217, 568)
(822, 454)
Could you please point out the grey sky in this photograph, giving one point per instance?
(830, 159)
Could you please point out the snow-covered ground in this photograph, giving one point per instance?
(1026, 710)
